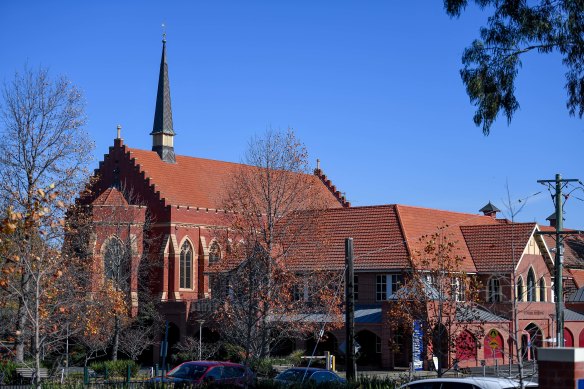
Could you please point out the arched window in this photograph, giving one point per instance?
(214, 252)
(531, 285)
(520, 289)
(186, 266)
(541, 289)
(494, 292)
(114, 261)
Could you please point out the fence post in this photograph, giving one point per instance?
(128, 373)
(85, 375)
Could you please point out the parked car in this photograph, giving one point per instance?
(198, 372)
(310, 376)
(467, 383)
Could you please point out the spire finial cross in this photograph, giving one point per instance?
(163, 33)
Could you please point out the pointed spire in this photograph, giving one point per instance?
(162, 130)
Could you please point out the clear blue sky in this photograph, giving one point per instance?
(371, 87)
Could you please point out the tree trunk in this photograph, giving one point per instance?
(37, 338)
(21, 318)
(116, 339)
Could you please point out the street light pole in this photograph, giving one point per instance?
(200, 337)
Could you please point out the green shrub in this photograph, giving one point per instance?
(117, 368)
(263, 367)
(295, 357)
(231, 352)
(8, 369)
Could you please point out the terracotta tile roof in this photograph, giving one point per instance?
(196, 181)
(378, 242)
(573, 247)
(110, 196)
(417, 222)
(577, 275)
(493, 247)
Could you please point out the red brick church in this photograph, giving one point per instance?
(182, 196)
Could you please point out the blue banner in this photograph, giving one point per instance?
(417, 345)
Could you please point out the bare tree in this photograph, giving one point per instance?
(271, 201)
(439, 298)
(43, 155)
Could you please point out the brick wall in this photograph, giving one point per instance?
(560, 367)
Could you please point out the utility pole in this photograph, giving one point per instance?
(559, 258)
(349, 310)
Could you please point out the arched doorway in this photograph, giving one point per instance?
(494, 345)
(568, 338)
(581, 339)
(531, 341)
(466, 347)
(370, 348)
(328, 342)
(440, 343)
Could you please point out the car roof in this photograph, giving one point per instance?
(310, 369)
(213, 363)
(485, 382)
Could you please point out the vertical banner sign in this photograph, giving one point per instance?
(417, 345)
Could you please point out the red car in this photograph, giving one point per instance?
(220, 373)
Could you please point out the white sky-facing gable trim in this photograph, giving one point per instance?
(540, 242)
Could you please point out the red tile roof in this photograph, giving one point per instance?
(573, 247)
(197, 181)
(577, 275)
(110, 196)
(377, 240)
(385, 235)
(493, 247)
(418, 222)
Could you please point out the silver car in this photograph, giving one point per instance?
(467, 383)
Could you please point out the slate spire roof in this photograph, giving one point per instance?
(163, 113)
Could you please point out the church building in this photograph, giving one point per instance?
(180, 199)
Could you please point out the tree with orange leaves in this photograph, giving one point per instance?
(43, 158)
(437, 305)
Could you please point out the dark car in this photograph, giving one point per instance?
(199, 372)
(309, 376)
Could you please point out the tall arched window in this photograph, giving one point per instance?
(214, 252)
(494, 292)
(186, 266)
(541, 289)
(531, 285)
(114, 261)
(520, 289)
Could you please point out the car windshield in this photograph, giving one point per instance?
(187, 371)
(294, 375)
